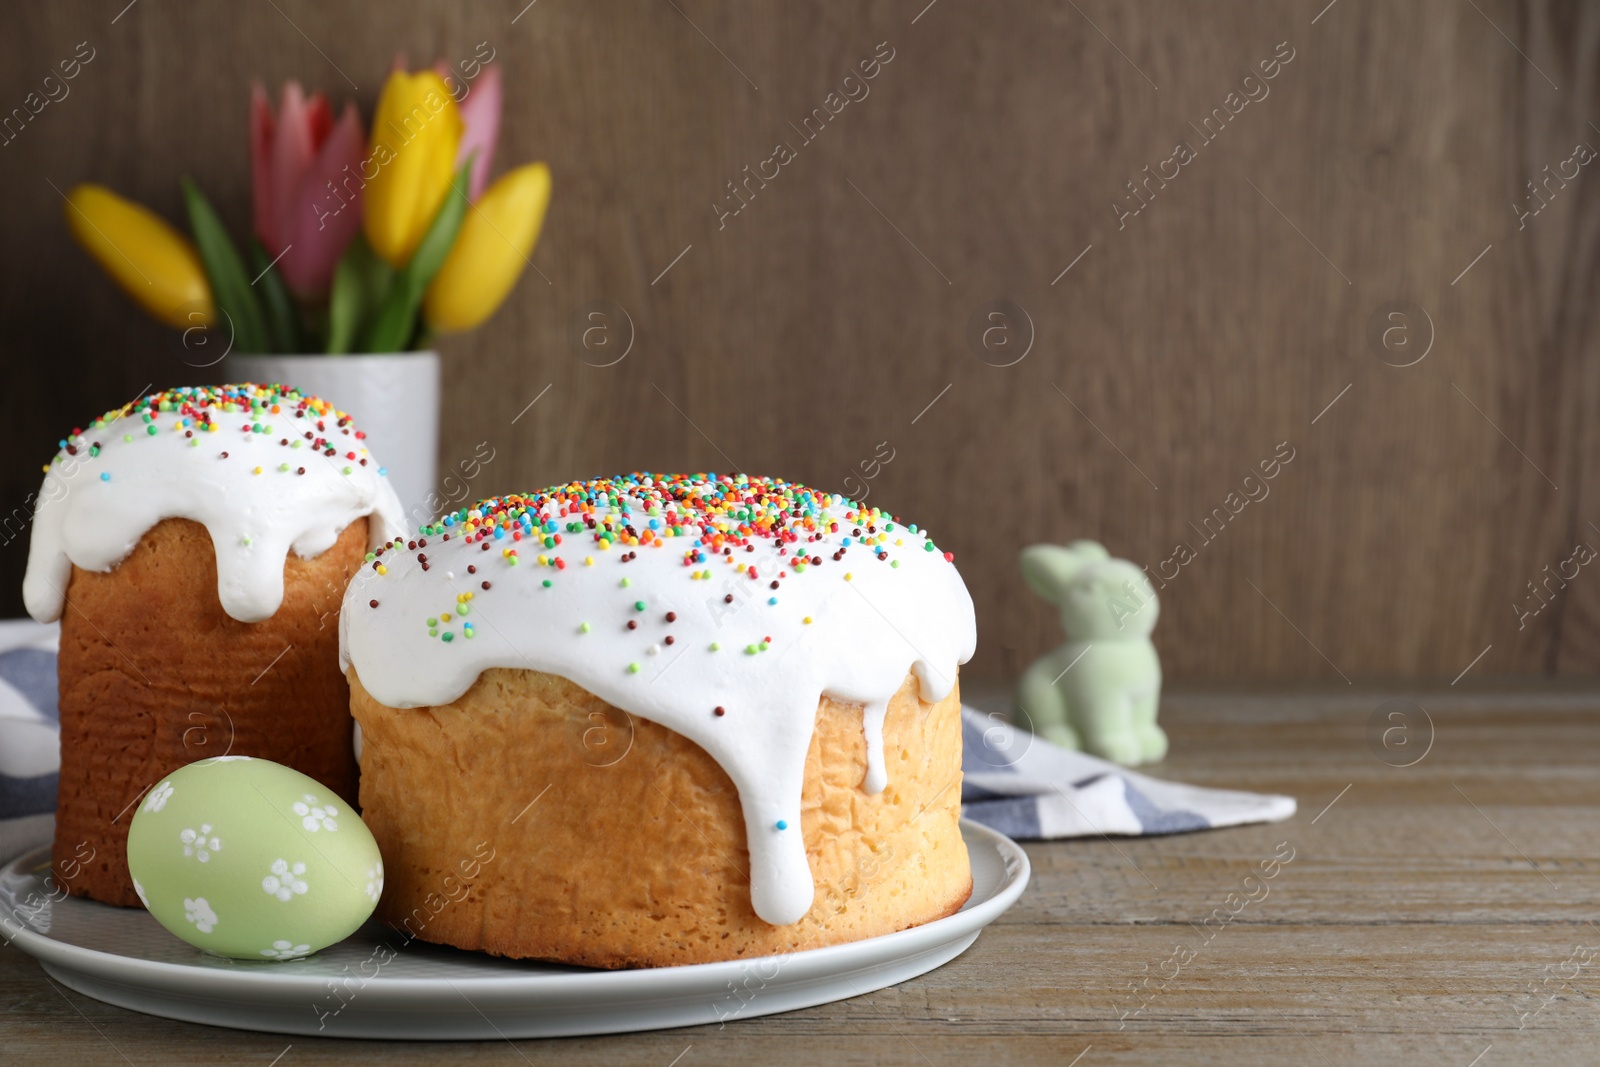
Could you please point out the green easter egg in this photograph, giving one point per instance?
(247, 858)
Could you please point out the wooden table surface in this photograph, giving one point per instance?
(1440, 913)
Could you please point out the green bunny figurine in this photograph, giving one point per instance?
(1098, 691)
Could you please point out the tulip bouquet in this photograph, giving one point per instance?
(360, 244)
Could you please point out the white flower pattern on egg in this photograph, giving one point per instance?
(285, 881)
(315, 816)
(200, 843)
(285, 950)
(199, 912)
(158, 797)
(226, 867)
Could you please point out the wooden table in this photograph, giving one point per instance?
(1438, 913)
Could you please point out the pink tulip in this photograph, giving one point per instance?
(480, 117)
(304, 171)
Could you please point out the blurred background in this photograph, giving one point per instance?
(1085, 268)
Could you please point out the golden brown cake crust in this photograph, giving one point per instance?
(154, 675)
(529, 818)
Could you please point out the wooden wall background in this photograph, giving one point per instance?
(1178, 351)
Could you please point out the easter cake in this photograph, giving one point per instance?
(195, 545)
(658, 720)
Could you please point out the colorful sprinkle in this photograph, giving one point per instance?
(200, 409)
(762, 530)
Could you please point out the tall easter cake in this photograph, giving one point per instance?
(195, 545)
(662, 719)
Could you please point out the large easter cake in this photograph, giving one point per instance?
(666, 719)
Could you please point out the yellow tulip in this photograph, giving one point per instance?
(414, 139)
(151, 261)
(496, 238)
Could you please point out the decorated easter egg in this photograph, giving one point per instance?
(247, 858)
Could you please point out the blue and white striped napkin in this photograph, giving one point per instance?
(30, 735)
(1030, 789)
(1021, 785)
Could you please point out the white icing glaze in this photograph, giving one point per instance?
(93, 508)
(862, 636)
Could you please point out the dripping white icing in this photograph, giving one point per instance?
(862, 636)
(93, 508)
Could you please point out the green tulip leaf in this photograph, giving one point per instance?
(396, 321)
(283, 318)
(230, 285)
(360, 282)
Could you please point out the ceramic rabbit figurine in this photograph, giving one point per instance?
(1099, 690)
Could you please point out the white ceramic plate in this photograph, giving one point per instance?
(359, 988)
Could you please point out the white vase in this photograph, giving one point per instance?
(394, 400)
